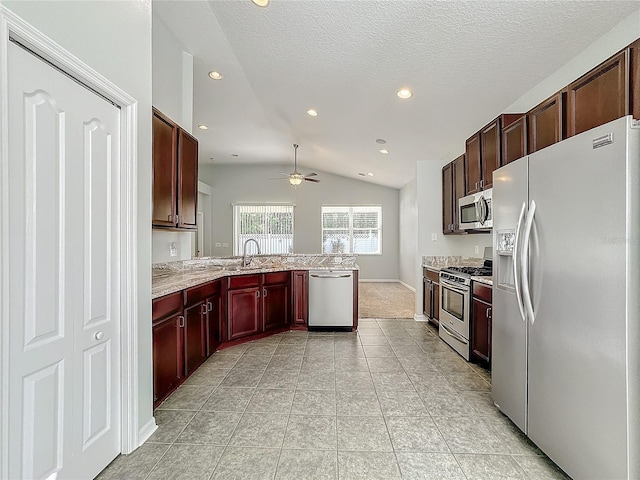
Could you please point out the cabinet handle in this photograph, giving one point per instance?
(203, 309)
(489, 312)
(181, 320)
(481, 183)
(477, 185)
(257, 293)
(210, 305)
(264, 292)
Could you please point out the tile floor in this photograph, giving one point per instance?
(392, 401)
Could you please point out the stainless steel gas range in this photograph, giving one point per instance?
(455, 305)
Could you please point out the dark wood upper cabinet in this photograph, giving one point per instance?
(453, 183)
(514, 141)
(447, 196)
(187, 180)
(165, 141)
(546, 123)
(472, 167)
(175, 175)
(600, 96)
(489, 152)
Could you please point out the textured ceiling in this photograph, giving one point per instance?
(465, 61)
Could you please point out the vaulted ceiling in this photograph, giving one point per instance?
(465, 62)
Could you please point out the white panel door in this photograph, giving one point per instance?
(64, 371)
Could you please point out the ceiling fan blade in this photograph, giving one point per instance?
(314, 180)
(279, 178)
(312, 174)
(284, 173)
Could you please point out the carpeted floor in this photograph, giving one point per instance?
(385, 300)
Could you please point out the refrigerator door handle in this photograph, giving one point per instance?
(516, 262)
(528, 303)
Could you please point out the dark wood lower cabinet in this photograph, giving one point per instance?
(275, 300)
(195, 334)
(481, 323)
(431, 296)
(244, 316)
(300, 281)
(188, 326)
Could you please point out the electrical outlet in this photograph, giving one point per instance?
(477, 249)
(173, 249)
(218, 244)
(434, 237)
(225, 245)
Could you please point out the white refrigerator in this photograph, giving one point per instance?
(566, 301)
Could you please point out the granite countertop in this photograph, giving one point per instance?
(486, 280)
(173, 277)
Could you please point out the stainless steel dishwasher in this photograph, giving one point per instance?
(331, 299)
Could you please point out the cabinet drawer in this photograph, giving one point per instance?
(482, 291)
(431, 275)
(244, 281)
(167, 305)
(276, 278)
(196, 294)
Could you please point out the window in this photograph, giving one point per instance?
(270, 225)
(356, 229)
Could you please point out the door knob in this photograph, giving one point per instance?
(99, 335)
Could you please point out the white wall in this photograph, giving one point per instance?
(251, 183)
(173, 96)
(114, 38)
(161, 244)
(408, 206)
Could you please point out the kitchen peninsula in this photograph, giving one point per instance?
(205, 304)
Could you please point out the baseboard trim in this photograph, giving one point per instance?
(379, 280)
(420, 318)
(147, 430)
(407, 285)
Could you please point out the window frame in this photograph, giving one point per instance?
(350, 208)
(236, 247)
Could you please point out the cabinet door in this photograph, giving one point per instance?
(514, 141)
(213, 323)
(481, 330)
(490, 156)
(195, 350)
(165, 137)
(436, 303)
(447, 199)
(168, 365)
(244, 312)
(472, 164)
(187, 180)
(546, 123)
(458, 190)
(599, 96)
(426, 297)
(275, 300)
(300, 297)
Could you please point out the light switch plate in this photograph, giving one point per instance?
(218, 244)
(434, 237)
(225, 244)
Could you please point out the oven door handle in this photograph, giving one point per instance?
(453, 287)
(453, 334)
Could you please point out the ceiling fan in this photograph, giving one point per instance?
(295, 177)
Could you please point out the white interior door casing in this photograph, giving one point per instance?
(64, 356)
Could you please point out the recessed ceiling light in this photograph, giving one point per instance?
(369, 174)
(215, 75)
(362, 174)
(404, 93)
(312, 112)
(203, 127)
(261, 3)
(384, 151)
(235, 155)
(381, 141)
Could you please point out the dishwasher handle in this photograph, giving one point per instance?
(345, 275)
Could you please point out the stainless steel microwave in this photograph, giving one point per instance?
(475, 211)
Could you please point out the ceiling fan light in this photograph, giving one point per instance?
(293, 180)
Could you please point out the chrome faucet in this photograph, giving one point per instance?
(245, 260)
